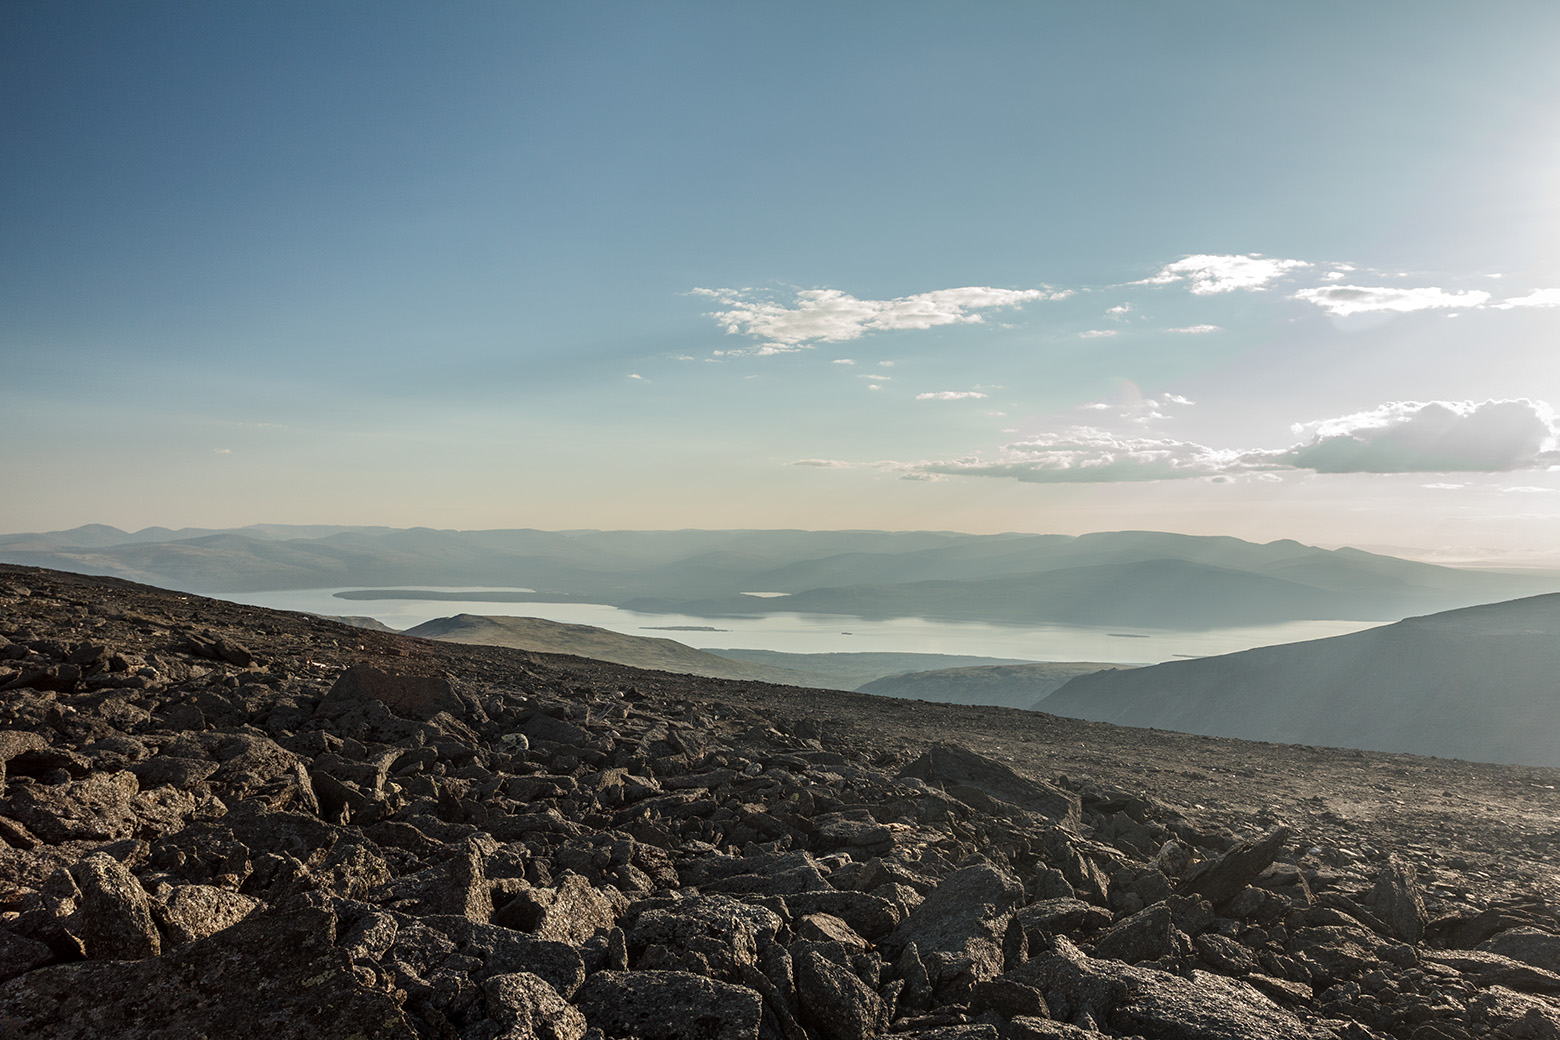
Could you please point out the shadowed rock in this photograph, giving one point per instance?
(951, 765)
(1222, 879)
(669, 1005)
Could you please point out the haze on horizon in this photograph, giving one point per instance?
(1214, 268)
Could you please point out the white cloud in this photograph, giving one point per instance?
(1399, 437)
(1175, 399)
(635, 375)
(1344, 300)
(1444, 487)
(1430, 437)
(873, 375)
(832, 316)
(1528, 490)
(822, 463)
(1536, 298)
(1120, 308)
(1097, 333)
(949, 395)
(1088, 455)
(844, 361)
(1217, 273)
(1197, 330)
(874, 386)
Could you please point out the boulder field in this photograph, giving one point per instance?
(221, 821)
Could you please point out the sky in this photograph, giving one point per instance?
(1274, 271)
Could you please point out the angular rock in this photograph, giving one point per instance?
(1222, 879)
(20, 954)
(1398, 902)
(959, 928)
(1491, 969)
(952, 764)
(1528, 945)
(1148, 935)
(195, 911)
(834, 1002)
(97, 808)
(407, 695)
(527, 1007)
(571, 912)
(116, 915)
(189, 992)
(669, 1005)
(716, 932)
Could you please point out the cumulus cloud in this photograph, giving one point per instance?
(949, 395)
(1196, 330)
(1097, 333)
(1209, 273)
(1536, 298)
(832, 316)
(1431, 437)
(1399, 437)
(1120, 308)
(1344, 300)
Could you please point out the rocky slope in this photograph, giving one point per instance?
(1477, 683)
(224, 821)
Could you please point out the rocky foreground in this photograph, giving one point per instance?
(220, 821)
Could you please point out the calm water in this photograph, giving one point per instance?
(831, 633)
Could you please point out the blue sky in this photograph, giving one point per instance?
(626, 265)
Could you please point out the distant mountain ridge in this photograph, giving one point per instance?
(1128, 578)
(1480, 683)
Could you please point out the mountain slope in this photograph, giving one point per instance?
(553, 637)
(1007, 686)
(1479, 683)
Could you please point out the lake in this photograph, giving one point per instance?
(829, 633)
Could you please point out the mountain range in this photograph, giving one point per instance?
(1127, 578)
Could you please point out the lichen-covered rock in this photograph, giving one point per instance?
(572, 912)
(529, 1009)
(195, 911)
(116, 915)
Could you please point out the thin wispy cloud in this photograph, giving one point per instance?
(1344, 300)
(950, 395)
(1398, 437)
(1207, 273)
(1536, 298)
(822, 463)
(1097, 333)
(1196, 330)
(1085, 454)
(832, 316)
